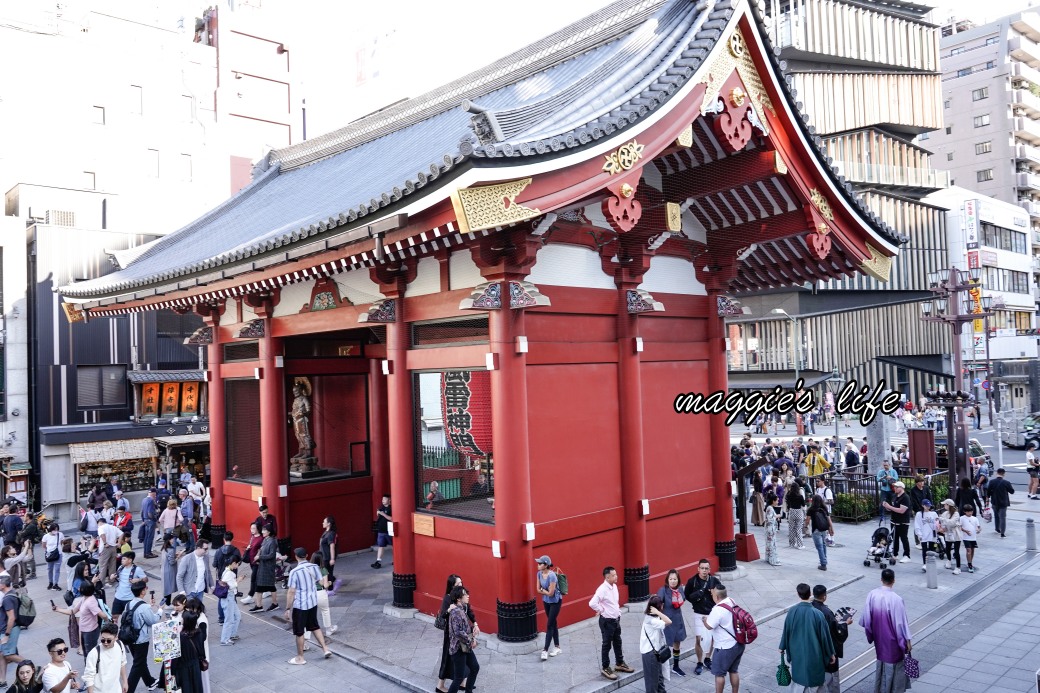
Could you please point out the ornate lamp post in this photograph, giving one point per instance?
(835, 382)
(948, 286)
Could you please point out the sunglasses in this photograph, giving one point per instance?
(107, 641)
(60, 651)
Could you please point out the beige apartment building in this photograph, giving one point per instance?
(868, 78)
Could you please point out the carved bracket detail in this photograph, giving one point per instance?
(486, 296)
(820, 242)
(200, 337)
(526, 295)
(384, 311)
(254, 329)
(622, 209)
(729, 307)
(640, 301)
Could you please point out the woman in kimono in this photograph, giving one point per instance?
(772, 552)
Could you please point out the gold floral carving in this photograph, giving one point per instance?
(673, 217)
(625, 157)
(685, 138)
(877, 265)
(489, 206)
(736, 58)
(821, 203)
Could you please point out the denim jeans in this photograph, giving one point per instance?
(1000, 518)
(820, 539)
(54, 572)
(232, 618)
(149, 536)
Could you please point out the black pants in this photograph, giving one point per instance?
(552, 631)
(927, 546)
(610, 629)
(953, 552)
(139, 669)
(465, 666)
(901, 532)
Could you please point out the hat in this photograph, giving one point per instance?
(543, 559)
(162, 482)
(119, 491)
(926, 502)
(899, 484)
(948, 502)
(153, 490)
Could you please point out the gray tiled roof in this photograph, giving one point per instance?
(585, 82)
(165, 376)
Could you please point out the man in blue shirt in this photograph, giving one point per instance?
(149, 516)
(144, 617)
(886, 476)
(127, 575)
(187, 515)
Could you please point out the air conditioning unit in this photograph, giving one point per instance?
(58, 217)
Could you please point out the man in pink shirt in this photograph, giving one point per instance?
(605, 603)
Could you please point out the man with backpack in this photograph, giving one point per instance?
(222, 558)
(127, 575)
(135, 632)
(106, 664)
(732, 628)
(9, 605)
(698, 593)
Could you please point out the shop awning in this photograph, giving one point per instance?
(112, 450)
(767, 380)
(166, 376)
(175, 441)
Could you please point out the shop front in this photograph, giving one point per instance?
(133, 463)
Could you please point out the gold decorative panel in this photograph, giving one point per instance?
(626, 157)
(821, 203)
(673, 217)
(488, 206)
(878, 266)
(738, 58)
(685, 138)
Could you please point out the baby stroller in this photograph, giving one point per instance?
(880, 548)
(281, 571)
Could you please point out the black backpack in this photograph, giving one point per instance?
(819, 521)
(128, 632)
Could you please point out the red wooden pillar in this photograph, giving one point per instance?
(516, 606)
(216, 414)
(402, 456)
(721, 472)
(274, 460)
(378, 451)
(630, 415)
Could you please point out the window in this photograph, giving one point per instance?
(923, 136)
(1005, 239)
(186, 167)
(958, 50)
(990, 64)
(949, 130)
(1014, 319)
(964, 72)
(991, 40)
(100, 386)
(89, 180)
(984, 147)
(151, 163)
(947, 103)
(996, 279)
(984, 175)
(949, 156)
(136, 100)
(98, 114)
(982, 120)
(980, 94)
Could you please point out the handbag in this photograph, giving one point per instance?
(783, 672)
(69, 597)
(911, 667)
(663, 653)
(53, 555)
(440, 623)
(220, 590)
(203, 662)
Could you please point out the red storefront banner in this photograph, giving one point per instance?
(466, 408)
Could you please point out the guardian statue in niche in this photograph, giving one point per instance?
(304, 460)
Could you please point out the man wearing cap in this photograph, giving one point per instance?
(925, 530)
(121, 502)
(149, 516)
(302, 604)
(900, 509)
(552, 600)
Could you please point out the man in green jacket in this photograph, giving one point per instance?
(807, 641)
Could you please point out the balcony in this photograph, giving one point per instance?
(1026, 129)
(1023, 100)
(894, 176)
(1036, 294)
(1023, 152)
(1021, 48)
(1033, 208)
(1028, 181)
(1036, 263)
(1028, 23)
(1021, 71)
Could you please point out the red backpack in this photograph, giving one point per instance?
(745, 630)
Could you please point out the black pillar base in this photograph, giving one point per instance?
(638, 581)
(727, 553)
(517, 622)
(404, 590)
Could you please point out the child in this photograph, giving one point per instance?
(924, 529)
(970, 529)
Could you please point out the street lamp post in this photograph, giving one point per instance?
(797, 358)
(947, 286)
(835, 381)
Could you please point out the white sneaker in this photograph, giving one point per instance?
(956, 571)
(333, 629)
(555, 651)
(246, 600)
(924, 569)
(545, 655)
(948, 565)
(904, 559)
